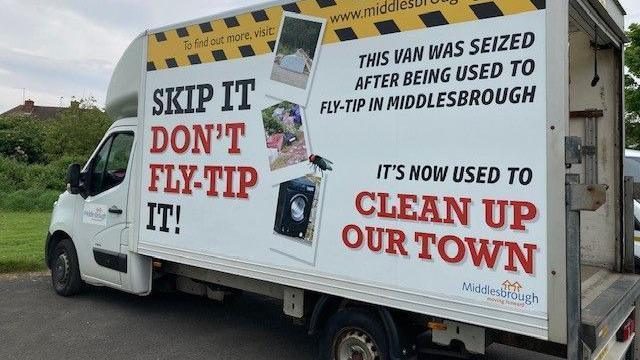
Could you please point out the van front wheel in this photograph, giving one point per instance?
(65, 272)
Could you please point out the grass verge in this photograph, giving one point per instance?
(22, 237)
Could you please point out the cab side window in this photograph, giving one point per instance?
(110, 163)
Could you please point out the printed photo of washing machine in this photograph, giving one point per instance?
(295, 212)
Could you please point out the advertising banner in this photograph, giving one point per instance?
(396, 145)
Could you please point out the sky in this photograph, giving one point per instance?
(53, 50)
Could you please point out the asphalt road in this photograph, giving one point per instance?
(100, 323)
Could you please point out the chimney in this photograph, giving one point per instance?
(28, 106)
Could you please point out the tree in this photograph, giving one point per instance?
(76, 132)
(35, 153)
(632, 87)
(299, 34)
(22, 138)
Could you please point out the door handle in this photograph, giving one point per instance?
(114, 210)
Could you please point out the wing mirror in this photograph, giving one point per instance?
(73, 179)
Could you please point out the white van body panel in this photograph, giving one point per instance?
(131, 94)
(122, 94)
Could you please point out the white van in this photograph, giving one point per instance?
(632, 168)
(404, 175)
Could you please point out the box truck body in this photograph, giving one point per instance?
(418, 157)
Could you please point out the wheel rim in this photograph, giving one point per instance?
(61, 269)
(355, 344)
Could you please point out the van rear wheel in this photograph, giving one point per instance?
(353, 334)
(65, 272)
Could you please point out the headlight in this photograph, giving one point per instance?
(298, 205)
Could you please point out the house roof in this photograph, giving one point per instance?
(40, 112)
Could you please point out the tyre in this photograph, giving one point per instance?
(353, 334)
(65, 272)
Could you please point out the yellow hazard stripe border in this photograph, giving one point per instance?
(347, 20)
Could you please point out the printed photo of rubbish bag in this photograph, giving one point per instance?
(285, 135)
